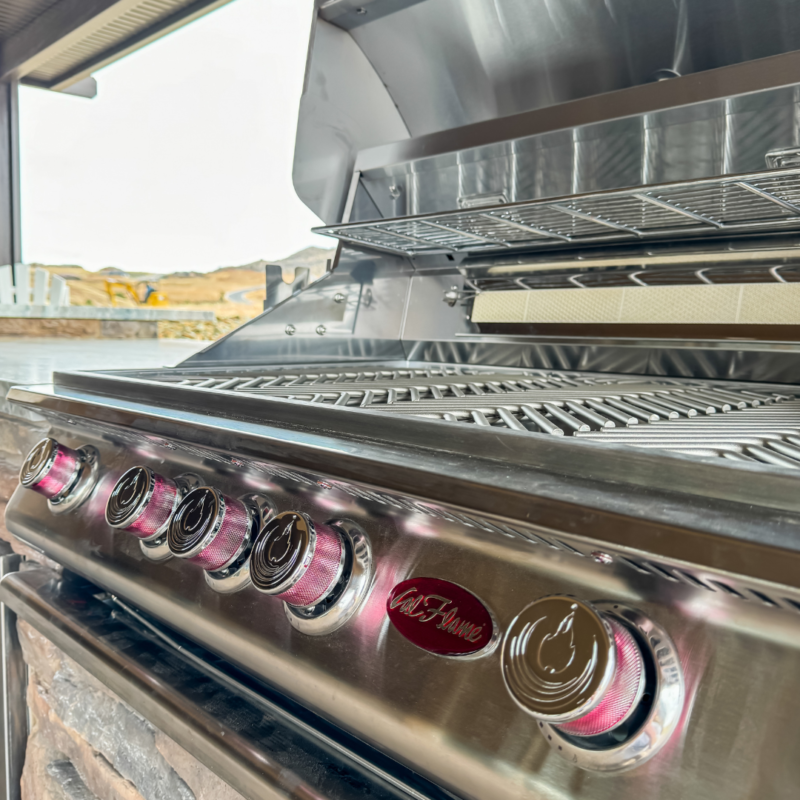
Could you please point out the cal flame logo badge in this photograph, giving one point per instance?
(440, 617)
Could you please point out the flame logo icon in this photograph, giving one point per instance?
(557, 650)
(196, 513)
(279, 547)
(37, 457)
(130, 488)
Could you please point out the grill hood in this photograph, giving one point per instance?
(421, 106)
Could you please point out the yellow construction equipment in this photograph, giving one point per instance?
(142, 293)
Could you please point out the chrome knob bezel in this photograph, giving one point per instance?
(216, 511)
(665, 712)
(124, 519)
(76, 487)
(286, 551)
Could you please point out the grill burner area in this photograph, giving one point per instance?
(736, 421)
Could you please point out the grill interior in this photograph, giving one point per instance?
(738, 421)
(755, 201)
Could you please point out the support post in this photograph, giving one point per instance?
(10, 233)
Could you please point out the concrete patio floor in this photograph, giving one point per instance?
(24, 360)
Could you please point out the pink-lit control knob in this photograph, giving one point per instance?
(296, 559)
(210, 529)
(142, 503)
(567, 664)
(50, 469)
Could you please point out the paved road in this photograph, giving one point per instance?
(239, 295)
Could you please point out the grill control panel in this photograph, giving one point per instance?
(601, 683)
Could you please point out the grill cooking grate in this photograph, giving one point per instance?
(756, 201)
(742, 422)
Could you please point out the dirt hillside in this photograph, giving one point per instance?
(223, 291)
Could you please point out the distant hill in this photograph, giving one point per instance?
(314, 258)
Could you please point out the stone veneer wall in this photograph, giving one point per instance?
(84, 742)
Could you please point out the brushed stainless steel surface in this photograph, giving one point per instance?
(404, 318)
(603, 408)
(12, 699)
(264, 747)
(708, 509)
(678, 135)
(420, 709)
(464, 84)
(376, 292)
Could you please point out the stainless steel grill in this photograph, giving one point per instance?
(557, 529)
(734, 204)
(742, 422)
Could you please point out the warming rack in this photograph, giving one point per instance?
(744, 203)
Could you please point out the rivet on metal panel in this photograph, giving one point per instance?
(321, 330)
(289, 330)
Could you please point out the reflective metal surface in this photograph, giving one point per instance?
(84, 483)
(666, 705)
(428, 103)
(453, 124)
(731, 502)
(419, 708)
(345, 601)
(604, 408)
(264, 746)
(559, 658)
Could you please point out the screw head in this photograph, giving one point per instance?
(321, 330)
(451, 296)
(290, 330)
(339, 297)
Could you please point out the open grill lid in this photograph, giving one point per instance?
(426, 106)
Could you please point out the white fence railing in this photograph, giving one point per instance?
(16, 288)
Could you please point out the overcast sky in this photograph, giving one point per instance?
(184, 158)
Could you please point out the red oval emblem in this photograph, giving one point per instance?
(440, 617)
